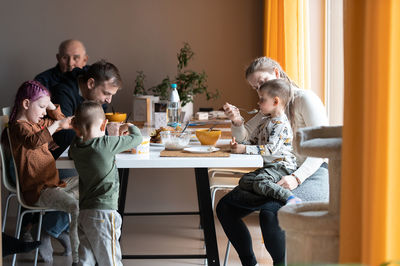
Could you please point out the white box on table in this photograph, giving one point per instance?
(201, 116)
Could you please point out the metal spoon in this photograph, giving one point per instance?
(212, 127)
(254, 111)
(188, 122)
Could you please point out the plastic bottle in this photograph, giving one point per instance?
(174, 107)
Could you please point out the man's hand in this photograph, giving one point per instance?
(65, 123)
(124, 129)
(232, 112)
(288, 182)
(113, 128)
(236, 147)
(60, 124)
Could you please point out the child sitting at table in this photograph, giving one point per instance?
(31, 134)
(94, 153)
(273, 140)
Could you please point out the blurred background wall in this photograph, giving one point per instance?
(135, 35)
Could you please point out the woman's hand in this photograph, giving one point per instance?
(236, 147)
(288, 182)
(232, 112)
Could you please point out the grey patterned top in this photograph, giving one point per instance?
(272, 139)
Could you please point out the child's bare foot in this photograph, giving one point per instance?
(293, 200)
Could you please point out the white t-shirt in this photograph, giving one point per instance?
(308, 112)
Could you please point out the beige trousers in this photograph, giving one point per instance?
(65, 199)
(99, 231)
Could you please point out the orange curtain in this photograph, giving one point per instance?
(370, 208)
(286, 39)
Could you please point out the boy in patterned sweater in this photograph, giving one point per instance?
(273, 140)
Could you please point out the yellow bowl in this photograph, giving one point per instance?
(116, 117)
(208, 137)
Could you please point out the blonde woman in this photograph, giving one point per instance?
(309, 181)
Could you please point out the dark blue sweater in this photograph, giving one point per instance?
(50, 78)
(66, 94)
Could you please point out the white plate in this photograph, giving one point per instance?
(156, 144)
(201, 149)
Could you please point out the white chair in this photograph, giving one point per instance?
(224, 179)
(6, 179)
(28, 209)
(6, 110)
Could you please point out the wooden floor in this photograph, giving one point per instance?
(164, 235)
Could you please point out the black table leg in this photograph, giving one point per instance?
(123, 186)
(206, 215)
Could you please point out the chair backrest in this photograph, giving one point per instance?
(18, 187)
(3, 122)
(6, 110)
(5, 153)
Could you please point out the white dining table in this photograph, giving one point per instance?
(126, 161)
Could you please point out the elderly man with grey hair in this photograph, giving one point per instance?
(71, 54)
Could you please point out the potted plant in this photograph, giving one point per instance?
(143, 101)
(190, 83)
(139, 84)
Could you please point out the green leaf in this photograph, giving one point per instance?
(190, 83)
(162, 89)
(139, 84)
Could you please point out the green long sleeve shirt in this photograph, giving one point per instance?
(95, 162)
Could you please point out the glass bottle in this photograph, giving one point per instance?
(174, 107)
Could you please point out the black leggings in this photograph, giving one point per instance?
(238, 203)
(230, 216)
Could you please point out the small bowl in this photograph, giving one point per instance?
(174, 140)
(116, 117)
(208, 137)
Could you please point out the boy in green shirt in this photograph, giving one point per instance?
(94, 156)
